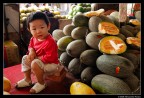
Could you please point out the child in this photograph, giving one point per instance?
(42, 53)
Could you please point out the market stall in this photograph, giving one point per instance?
(99, 46)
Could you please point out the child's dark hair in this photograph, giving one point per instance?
(37, 15)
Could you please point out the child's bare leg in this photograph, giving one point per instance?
(38, 72)
(40, 85)
(26, 81)
(27, 75)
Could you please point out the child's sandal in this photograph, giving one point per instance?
(37, 88)
(22, 83)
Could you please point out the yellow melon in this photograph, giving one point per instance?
(6, 84)
(79, 88)
(6, 93)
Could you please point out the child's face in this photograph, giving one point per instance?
(39, 29)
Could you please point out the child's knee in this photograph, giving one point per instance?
(35, 64)
(24, 58)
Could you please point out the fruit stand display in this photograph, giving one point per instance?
(103, 54)
(100, 52)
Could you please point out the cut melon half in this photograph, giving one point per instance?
(135, 22)
(108, 28)
(133, 41)
(112, 45)
(138, 35)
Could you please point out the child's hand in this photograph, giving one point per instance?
(31, 55)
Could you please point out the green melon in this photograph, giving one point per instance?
(138, 15)
(65, 59)
(93, 23)
(75, 67)
(132, 81)
(80, 20)
(59, 52)
(115, 14)
(136, 52)
(138, 72)
(132, 29)
(79, 32)
(76, 47)
(89, 56)
(63, 42)
(93, 39)
(57, 34)
(120, 35)
(87, 74)
(132, 57)
(68, 29)
(115, 20)
(105, 18)
(107, 84)
(115, 65)
(126, 33)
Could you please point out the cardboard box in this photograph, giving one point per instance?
(64, 22)
(11, 53)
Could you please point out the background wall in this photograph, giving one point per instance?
(13, 16)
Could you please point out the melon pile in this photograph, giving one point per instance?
(100, 53)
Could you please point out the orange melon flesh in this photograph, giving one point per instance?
(139, 35)
(108, 28)
(133, 40)
(112, 45)
(134, 21)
